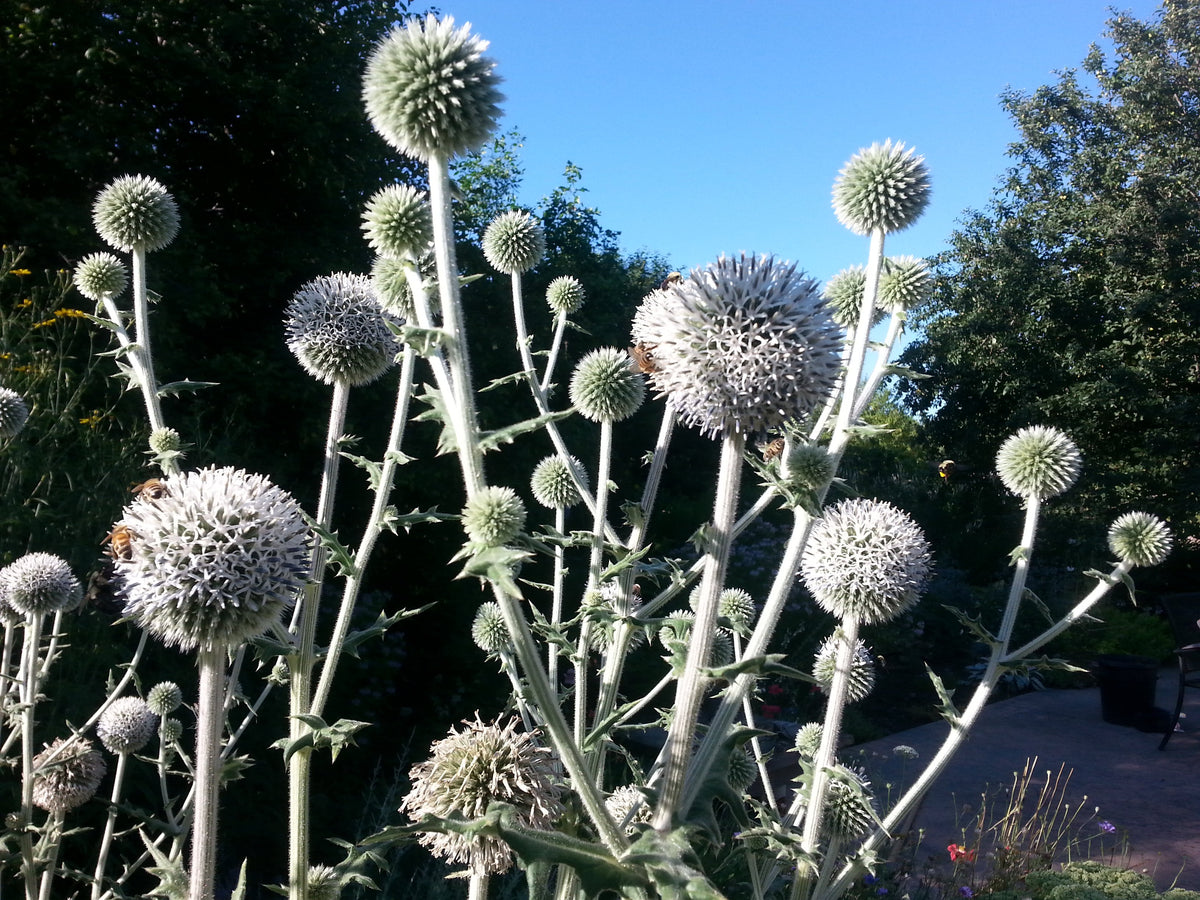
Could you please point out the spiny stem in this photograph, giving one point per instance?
(210, 721)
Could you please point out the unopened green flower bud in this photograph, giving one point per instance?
(882, 187)
(1038, 462)
(1140, 539)
(100, 275)
(552, 484)
(604, 387)
(488, 630)
(397, 222)
(514, 242)
(860, 680)
(564, 295)
(494, 516)
(136, 212)
(164, 698)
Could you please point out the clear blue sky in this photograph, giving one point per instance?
(710, 127)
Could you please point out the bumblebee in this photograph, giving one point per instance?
(102, 592)
(673, 278)
(150, 489)
(773, 450)
(946, 468)
(643, 358)
(120, 543)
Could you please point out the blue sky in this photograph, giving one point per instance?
(718, 127)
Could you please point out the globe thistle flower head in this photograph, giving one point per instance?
(389, 281)
(808, 739)
(676, 635)
(743, 770)
(336, 329)
(397, 222)
(604, 386)
(849, 804)
(627, 804)
(552, 484)
(865, 559)
(904, 283)
(488, 630)
(164, 698)
(514, 242)
(494, 516)
(861, 677)
(216, 560)
(1140, 539)
(1038, 461)
(564, 295)
(741, 345)
(325, 883)
(806, 466)
(734, 604)
(170, 732)
(40, 583)
(127, 725)
(66, 778)
(100, 275)
(164, 441)
(136, 212)
(844, 294)
(468, 770)
(883, 187)
(14, 413)
(430, 91)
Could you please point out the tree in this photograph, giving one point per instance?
(1073, 299)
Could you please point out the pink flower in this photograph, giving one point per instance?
(958, 851)
(770, 711)
(775, 690)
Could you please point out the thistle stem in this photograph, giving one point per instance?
(109, 826)
(141, 318)
(209, 725)
(583, 651)
(29, 682)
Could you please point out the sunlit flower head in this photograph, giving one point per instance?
(740, 345)
(136, 212)
(882, 187)
(430, 91)
(552, 484)
(488, 630)
(164, 698)
(494, 516)
(215, 561)
(564, 295)
(844, 294)
(604, 387)
(849, 804)
(64, 779)
(1140, 539)
(397, 223)
(514, 242)
(904, 283)
(471, 768)
(734, 604)
(39, 583)
(865, 559)
(1038, 461)
(336, 329)
(860, 679)
(808, 739)
(127, 725)
(14, 413)
(101, 275)
(628, 804)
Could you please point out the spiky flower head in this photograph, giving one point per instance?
(514, 242)
(552, 484)
(430, 91)
(488, 630)
(904, 283)
(628, 804)
(1140, 539)
(397, 222)
(808, 739)
(65, 777)
(494, 516)
(165, 440)
(170, 731)
(676, 635)
(136, 212)
(127, 725)
(1039, 461)
(882, 187)
(604, 386)
(164, 698)
(743, 770)
(806, 466)
(564, 295)
(740, 345)
(844, 294)
(389, 280)
(468, 770)
(603, 608)
(39, 583)
(860, 680)
(849, 804)
(216, 560)
(734, 604)
(337, 330)
(101, 275)
(326, 883)
(904, 751)
(865, 559)
(14, 413)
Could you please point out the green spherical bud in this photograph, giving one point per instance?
(136, 212)
(808, 739)
(514, 242)
(494, 516)
(389, 280)
(430, 91)
(164, 698)
(397, 222)
(101, 275)
(860, 680)
(805, 466)
(13, 413)
(165, 440)
(1038, 461)
(844, 294)
(1139, 539)
(564, 295)
(904, 283)
(849, 811)
(127, 725)
(733, 604)
(743, 770)
(605, 388)
(552, 484)
(40, 583)
(488, 630)
(170, 731)
(882, 187)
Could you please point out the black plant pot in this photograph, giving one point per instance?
(1126, 687)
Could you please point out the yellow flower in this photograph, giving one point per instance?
(19, 272)
(93, 420)
(67, 313)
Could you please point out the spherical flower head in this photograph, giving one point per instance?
(861, 677)
(165, 440)
(494, 516)
(604, 386)
(741, 345)
(1140, 539)
(743, 770)
(564, 295)
(170, 732)
(64, 779)
(865, 559)
(552, 484)
(904, 751)
(136, 213)
(488, 630)
(844, 294)
(127, 725)
(904, 283)
(627, 804)
(676, 635)
(882, 187)
(389, 280)
(849, 809)
(430, 91)
(467, 771)
(40, 583)
(336, 329)
(733, 604)
(164, 698)
(325, 883)
(101, 275)
(806, 466)
(216, 561)
(514, 242)
(14, 413)
(397, 222)
(808, 739)
(1038, 461)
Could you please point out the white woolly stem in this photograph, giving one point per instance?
(141, 318)
(858, 350)
(583, 651)
(29, 692)
(479, 887)
(883, 359)
(109, 826)
(560, 326)
(54, 835)
(1076, 613)
(210, 720)
(759, 759)
(556, 601)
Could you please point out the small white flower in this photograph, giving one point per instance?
(127, 725)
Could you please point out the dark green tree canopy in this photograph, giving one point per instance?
(1073, 300)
